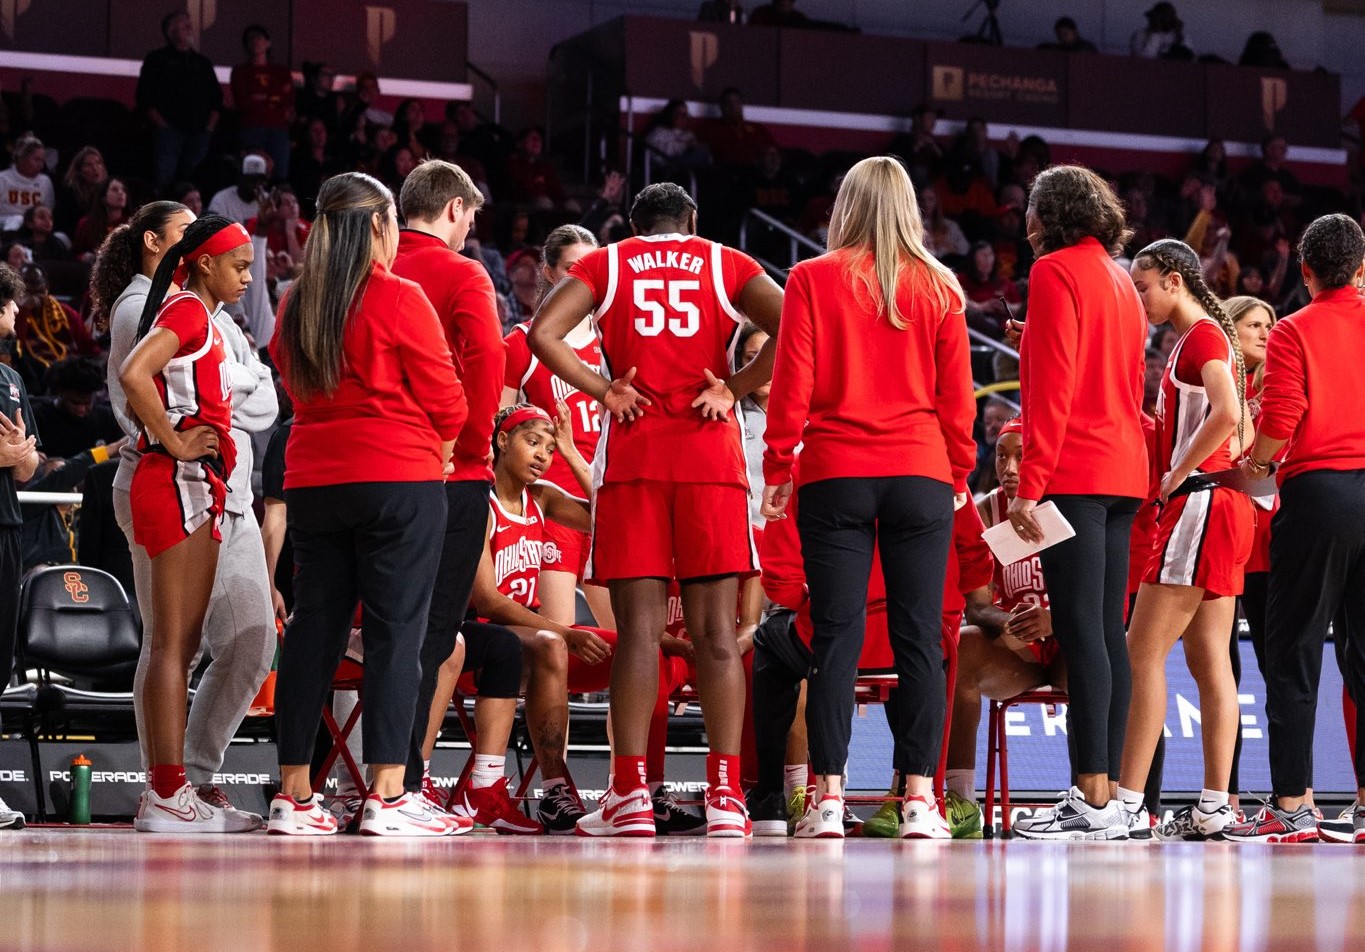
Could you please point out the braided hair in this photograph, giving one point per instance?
(1171, 256)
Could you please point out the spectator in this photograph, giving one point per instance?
(24, 184)
(779, 13)
(721, 11)
(188, 194)
(449, 147)
(1156, 367)
(108, 212)
(523, 273)
(179, 93)
(532, 179)
(984, 288)
(38, 237)
(485, 141)
(942, 236)
(1262, 51)
(966, 196)
(317, 99)
(1213, 162)
(1139, 214)
(395, 165)
(1163, 37)
(1030, 157)
(409, 125)
(47, 329)
(974, 148)
(263, 93)
(16, 255)
(73, 419)
(240, 202)
(49, 534)
(288, 229)
(1069, 38)
(1272, 165)
(367, 101)
(1013, 253)
(82, 182)
(771, 187)
(994, 415)
(918, 149)
(312, 164)
(733, 140)
(670, 134)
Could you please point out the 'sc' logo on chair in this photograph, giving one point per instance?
(80, 592)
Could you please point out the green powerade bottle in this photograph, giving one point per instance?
(80, 790)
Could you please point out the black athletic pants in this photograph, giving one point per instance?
(1087, 581)
(1317, 571)
(369, 543)
(781, 663)
(11, 574)
(910, 520)
(465, 526)
(492, 654)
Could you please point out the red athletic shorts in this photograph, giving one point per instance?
(171, 499)
(1203, 539)
(566, 550)
(652, 529)
(587, 678)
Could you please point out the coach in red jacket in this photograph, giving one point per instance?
(1312, 401)
(1081, 367)
(439, 201)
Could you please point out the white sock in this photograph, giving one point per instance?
(961, 782)
(793, 776)
(487, 770)
(426, 770)
(553, 783)
(1132, 799)
(1211, 800)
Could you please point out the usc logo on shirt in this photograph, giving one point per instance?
(25, 199)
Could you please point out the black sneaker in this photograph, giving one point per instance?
(672, 820)
(768, 813)
(560, 810)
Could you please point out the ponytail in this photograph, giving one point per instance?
(119, 258)
(196, 234)
(1169, 255)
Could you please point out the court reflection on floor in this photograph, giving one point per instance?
(61, 890)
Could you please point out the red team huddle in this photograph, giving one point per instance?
(631, 362)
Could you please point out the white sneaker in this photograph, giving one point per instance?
(288, 817)
(1139, 824)
(726, 814)
(214, 796)
(1194, 825)
(1349, 827)
(186, 813)
(10, 819)
(920, 820)
(629, 814)
(823, 820)
(409, 815)
(1074, 819)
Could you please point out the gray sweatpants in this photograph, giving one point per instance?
(239, 637)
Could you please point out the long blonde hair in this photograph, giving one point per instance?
(876, 213)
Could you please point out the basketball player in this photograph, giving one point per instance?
(529, 381)
(178, 384)
(672, 489)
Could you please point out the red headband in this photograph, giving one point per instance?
(1013, 426)
(221, 242)
(524, 415)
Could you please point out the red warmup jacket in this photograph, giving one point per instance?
(462, 294)
(864, 398)
(1319, 350)
(1081, 365)
(970, 566)
(398, 399)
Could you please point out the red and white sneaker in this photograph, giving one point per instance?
(288, 817)
(726, 814)
(627, 814)
(437, 801)
(186, 813)
(213, 795)
(823, 819)
(409, 815)
(1274, 825)
(921, 820)
(492, 808)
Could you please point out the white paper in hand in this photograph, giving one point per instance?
(1008, 548)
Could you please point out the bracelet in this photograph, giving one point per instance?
(1257, 463)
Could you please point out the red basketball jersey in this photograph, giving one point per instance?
(664, 304)
(516, 544)
(536, 385)
(1182, 405)
(1022, 582)
(196, 385)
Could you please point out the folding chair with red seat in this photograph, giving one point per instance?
(998, 752)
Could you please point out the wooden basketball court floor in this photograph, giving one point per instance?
(114, 890)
